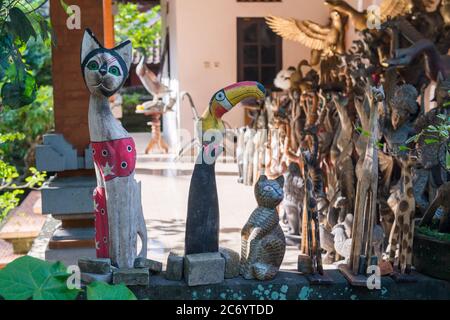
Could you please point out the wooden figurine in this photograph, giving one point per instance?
(442, 200)
(293, 198)
(403, 205)
(363, 20)
(119, 219)
(155, 108)
(325, 40)
(249, 153)
(202, 223)
(362, 250)
(263, 242)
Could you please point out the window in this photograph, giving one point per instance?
(259, 51)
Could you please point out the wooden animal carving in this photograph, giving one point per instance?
(442, 200)
(363, 19)
(324, 40)
(202, 222)
(403, 205)
(117, 198)
(263, 241)
(366, 193)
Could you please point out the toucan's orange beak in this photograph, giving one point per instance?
(227, 98)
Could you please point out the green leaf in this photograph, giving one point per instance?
(103, 291)
(403, 148)
(65, 7)
(20, 25)
(447, 160)
(431, 141)
(28, 277)
(413, 139)
(19, 93)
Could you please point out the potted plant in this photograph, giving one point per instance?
(432, 235)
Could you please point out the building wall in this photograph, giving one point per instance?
(205, 31)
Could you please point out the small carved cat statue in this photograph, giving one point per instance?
(263, 242)
(117, 198)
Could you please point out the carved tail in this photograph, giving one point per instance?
(141, 227)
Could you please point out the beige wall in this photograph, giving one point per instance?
(205, 31)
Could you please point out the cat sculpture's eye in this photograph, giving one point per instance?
(115, 71)
(93, 66)
(268, 188)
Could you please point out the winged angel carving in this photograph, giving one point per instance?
(323, 40)
(330, 40)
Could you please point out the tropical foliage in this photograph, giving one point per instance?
(20, 22)
(437, 134)
(26, 104)
(10, 192)
(142, 28)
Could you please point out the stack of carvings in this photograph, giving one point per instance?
(363, 105)
(340, 133)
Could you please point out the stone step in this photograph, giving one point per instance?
(66, 238)
(68, 195)
(74, 234)
(69, 256)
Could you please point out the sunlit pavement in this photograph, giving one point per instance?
(165, 187)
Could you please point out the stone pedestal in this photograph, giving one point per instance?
(204, 268)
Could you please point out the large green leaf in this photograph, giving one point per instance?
(20, 25)
(103, 291)
(19, 93)
(28, 277)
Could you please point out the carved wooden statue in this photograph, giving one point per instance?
(364, 221)
(312, 174)
(263, 242)
(365, 19)
(118, 210)
(294, 194)
(442, 200)
(202, 223)
(325, 41)
(404, 206)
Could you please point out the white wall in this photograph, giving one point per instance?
(205, 31)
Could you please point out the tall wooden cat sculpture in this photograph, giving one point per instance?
(117, 198)
(263, 244)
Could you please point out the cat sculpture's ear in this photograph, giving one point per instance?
(125, 50)
(262, 178)
(89, 44)
(280, 180)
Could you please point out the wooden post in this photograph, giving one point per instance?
(108, 24)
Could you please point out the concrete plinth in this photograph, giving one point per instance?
(293, 286)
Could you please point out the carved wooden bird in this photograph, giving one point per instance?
(202, 222)
(388, 8)
(329, 40)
